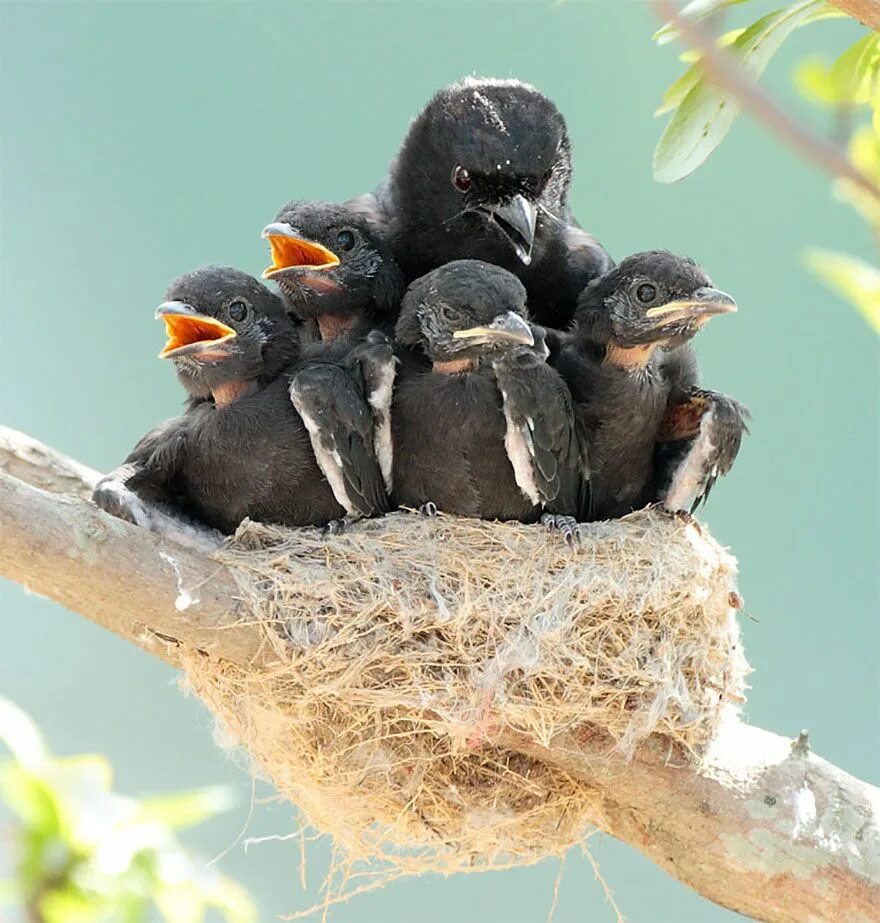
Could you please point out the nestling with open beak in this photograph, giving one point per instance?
(628, 362)
(482, 426)
(484, 173)
(241, 448)
(334, 273)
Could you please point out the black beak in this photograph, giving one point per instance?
(508, 328)
(517, 219)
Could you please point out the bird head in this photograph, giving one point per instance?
(331, 266)
(224, 328)
(650, 300)
(463, 311)
(484, 167)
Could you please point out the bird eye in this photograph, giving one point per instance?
(345, 240)
(237, 310)
(447, 313)
(646, 293)
(461, 179)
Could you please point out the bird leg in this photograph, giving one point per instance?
(567, 526)
(428, 509)
(334, 527)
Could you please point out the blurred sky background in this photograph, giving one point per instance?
(141, 139)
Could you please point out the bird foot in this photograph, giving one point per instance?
(683, 516)
(334, 527)
(112, 496)
(428, 509)
(115, 498)
(567, 526)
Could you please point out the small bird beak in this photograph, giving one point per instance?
(508, 328)
(517, 219)
(704, 304)
(191, 333)
(290, 252)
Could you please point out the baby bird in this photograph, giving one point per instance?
(632, 370)
(334, 272)
(241, 449)
(482, 426)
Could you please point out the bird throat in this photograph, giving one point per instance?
(629, 358)
(229, 392)
(455, 366)
(333, 326)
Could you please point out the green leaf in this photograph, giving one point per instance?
(68, 905)
(815, 80)
(707, 113)
(180, 903)
(857, 70)
(234, 902)
(31, 800)
(696, 11)
(673, 97)
(857, 281)
(21, 736)
(186, 809)
(864, 152)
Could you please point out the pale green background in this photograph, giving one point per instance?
(142, 139)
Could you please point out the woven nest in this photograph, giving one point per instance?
(410, 648)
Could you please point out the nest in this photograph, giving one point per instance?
(409, 650)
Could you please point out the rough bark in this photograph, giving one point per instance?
(866, 12)
(761, 826)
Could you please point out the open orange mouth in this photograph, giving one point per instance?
(291, 252)
(190, 332)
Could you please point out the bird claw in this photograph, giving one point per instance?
(334, 527)
(567, 526)
(428, 509)
(681, 516)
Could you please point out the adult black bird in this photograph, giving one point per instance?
(240, 448)
(633, 378)
(333, 269)
(484, 173)
(482, 426)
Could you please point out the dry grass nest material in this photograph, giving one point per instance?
(411, 650)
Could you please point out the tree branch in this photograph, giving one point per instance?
(721, 68)
(867, 12)
(761, 826)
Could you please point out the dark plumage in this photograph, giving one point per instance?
(484, 173)
(628, 362)
(334, 272)
(240, 449)
(482, 426)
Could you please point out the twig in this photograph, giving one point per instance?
(866, 12)
(721, 68)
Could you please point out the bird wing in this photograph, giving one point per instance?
(541, 439)
(699, 440)
(373, 363)
(340, 424)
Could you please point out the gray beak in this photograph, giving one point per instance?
(517, 219)
(508, 328)
(700, 306)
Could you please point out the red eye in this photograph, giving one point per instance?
(461, 179)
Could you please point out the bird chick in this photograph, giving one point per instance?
(334, 272)
(628, 361)
(482, 426)
(241, 449)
